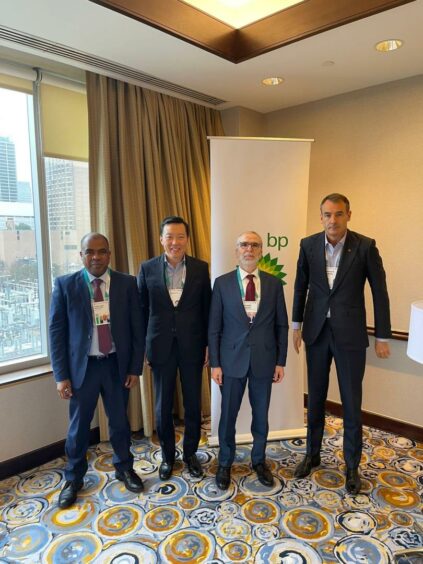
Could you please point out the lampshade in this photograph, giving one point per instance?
(415, 334)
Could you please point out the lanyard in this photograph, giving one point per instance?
(241, 285)
(90, 286)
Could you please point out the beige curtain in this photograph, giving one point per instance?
(148, 158)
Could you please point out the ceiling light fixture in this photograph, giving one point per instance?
(272, 81)
(388, 45)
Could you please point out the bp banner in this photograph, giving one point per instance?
(261, 184)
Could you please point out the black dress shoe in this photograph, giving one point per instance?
(194, 466)
(68, 494)
(264, 475)
(165, 470)
(304, 467)
(352, 481)
(130, 478)
(223, 477)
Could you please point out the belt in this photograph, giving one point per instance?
(102, 356)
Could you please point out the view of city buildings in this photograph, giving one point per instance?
(68, 214)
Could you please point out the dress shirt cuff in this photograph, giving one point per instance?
(382, 340)
(296, 325)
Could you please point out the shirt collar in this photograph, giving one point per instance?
(103, 277)
(341, 242)
(243, 273)
(180, 263)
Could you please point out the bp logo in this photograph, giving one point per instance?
(270, 265)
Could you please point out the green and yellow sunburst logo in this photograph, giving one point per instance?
(270, 265)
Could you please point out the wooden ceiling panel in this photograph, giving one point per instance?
(236, 45)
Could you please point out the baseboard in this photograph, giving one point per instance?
(379, 422)
(39, 456)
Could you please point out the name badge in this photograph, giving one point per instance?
(331, 274)
(101, 313)
(251, 308)
(175, 295)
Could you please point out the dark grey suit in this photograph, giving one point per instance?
(343, 337)
(244, 351)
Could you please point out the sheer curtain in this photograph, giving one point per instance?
(148, 158)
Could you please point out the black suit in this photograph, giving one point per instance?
(176, 338)
(246, 351)
(343, 336)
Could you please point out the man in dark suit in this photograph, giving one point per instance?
(97, 347)
(175, 299)
(329, 302)
(248, 332)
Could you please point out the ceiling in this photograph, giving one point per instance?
(60, 35)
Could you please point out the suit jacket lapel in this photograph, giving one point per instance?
(113, 305)
(348, 253)
(188, 279)
(263, 296)
(319, 261)
(234, 290)
(86, 298)
(162, 274)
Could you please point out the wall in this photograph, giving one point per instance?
(33, 414)
(369, 145)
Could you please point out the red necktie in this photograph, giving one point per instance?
(104, 334)
(250, 292)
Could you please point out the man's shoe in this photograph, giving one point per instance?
(130, 478)
(304, 467)
(68, 494)
(352, 481)
(264, 475)
(223, 477)
(194, 466)
(165, 470)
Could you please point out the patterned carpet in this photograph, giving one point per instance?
(185, 520)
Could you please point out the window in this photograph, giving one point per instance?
(26, 276)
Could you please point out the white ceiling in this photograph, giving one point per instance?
(88, 27)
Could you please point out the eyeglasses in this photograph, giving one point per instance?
(246, 244)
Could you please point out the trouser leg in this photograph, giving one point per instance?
(232, 393)
(259, 391)
(191, 379)
(115, 399)
(82, 406)
(164, 376)
(319, 358)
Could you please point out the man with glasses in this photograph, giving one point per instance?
(175, 300)
(248, 337)
(97, 347)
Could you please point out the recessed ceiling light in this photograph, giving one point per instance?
(388, 45)
(272, 81)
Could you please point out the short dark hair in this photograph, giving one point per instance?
(93, 235)
(335, 198)
(173, 219)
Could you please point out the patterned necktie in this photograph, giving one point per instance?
(104, 334)
(250, 292)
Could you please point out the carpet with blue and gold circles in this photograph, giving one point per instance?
(186, 520)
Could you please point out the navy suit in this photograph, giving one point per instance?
(244, 351)
(176, 338)
(343, 336)
(71, 330)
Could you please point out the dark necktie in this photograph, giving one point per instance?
(104, 334)
(250, 291)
